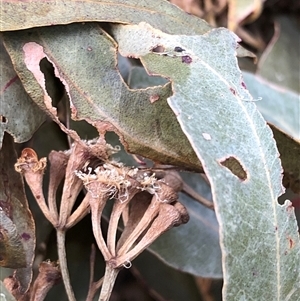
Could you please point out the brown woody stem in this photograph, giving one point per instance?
(62, 256)
(108, 282)
(93, 286)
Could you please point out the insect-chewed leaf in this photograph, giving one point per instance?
(259, 237)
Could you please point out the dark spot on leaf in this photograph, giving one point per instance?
(235, 167)
(25, 236)
(232, 91)
(38, 197)
(291, 242)
(9, 83)
(285, 253)
(186, 59)
(244, 85)
(178, 49)
(276, 228)
(3, 119)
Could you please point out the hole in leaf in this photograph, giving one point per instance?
(135, 75)
(56, 91)
(235, 167)
(54, 86)
(3, 119)
(158, 49)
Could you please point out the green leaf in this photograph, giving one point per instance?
(259, 238)
(17, 109)
(281, 109)
(17, 15)
(279, 106)
(280, 61)
(97, 92)
(139, 78)
(17, 229)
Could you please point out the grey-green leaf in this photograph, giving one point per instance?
(86, 64)
(281, 109)
(259, 238)
(19, 115)
(279, 106)
(280, 61)
(16, 15)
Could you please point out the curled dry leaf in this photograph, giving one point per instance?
(49, 275)
(17, 230)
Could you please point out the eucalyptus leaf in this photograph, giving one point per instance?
(97, 92)
(279, 105)
(17, 109)
(280, 61)
(281, 109)
(259, 238)
(139, 78)
(17, 229)
(18, 15)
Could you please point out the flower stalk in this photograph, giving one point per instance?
(148, 205)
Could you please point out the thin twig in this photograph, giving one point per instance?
(192, 193)
(93, 286)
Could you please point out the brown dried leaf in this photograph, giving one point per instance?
(17, 230)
